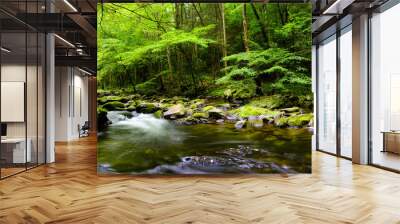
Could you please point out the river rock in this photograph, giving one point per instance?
(231, 118)
(146, 108)
(158, 114)
(255, 121)
(174, 112)
(199, 115)
(240, 124)
(291, 109)
(216, 113)
(114, 106)
(220, 121)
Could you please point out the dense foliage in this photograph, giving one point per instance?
(232, 50)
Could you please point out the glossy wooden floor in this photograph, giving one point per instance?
(69, 191)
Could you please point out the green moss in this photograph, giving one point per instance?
(282, 122)
(300, 120)
(106, 99)
(200, 115)
(270, 102)
(114, 105)
(158, 114)
(146, 108)
(208, 108)
(291, 109)
(248, 110)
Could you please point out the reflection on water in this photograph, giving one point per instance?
(140, 143)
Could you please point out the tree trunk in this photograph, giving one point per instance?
(169, 64)
(245, 29)
(261, 24)
(223, 29)
(177, 15)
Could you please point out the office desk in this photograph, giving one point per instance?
(13, 150)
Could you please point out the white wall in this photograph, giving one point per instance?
(71, 102)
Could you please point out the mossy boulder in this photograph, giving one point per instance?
(269, 102)
(208, 108)
(164, 106)
(158, 114)
(114, 106)
(240, 124)
(197, 103)
(102, 120)
(131, 108)
(248, 110)
(300, 120)
(199, 115)
(106, 99)
(176, 111)
(216, 113)
(291, 110)
(281, 121)
(146, 108)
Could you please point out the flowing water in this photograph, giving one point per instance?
(142, 144)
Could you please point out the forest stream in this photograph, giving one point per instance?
(137, 143)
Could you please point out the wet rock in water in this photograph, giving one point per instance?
(255, 121)
(240, 124)
(174, 112)
(243, 151)
(220, 121)
(267, 119)
(231, 118)
(311, 123)
(174, 169)
(216, 113)
(216, 164)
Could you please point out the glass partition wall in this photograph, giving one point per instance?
(327, 95)
(385, 89)
(22, 107)
(345, 62)
(334, 93)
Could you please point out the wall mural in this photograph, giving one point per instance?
(196, 88)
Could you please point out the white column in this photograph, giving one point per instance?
(360, 90)
(50, 103)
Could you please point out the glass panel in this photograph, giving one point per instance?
(385, 92)
(41, 99)
(32, 96)
(346, 93)
(13, 86)
(327, 95)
